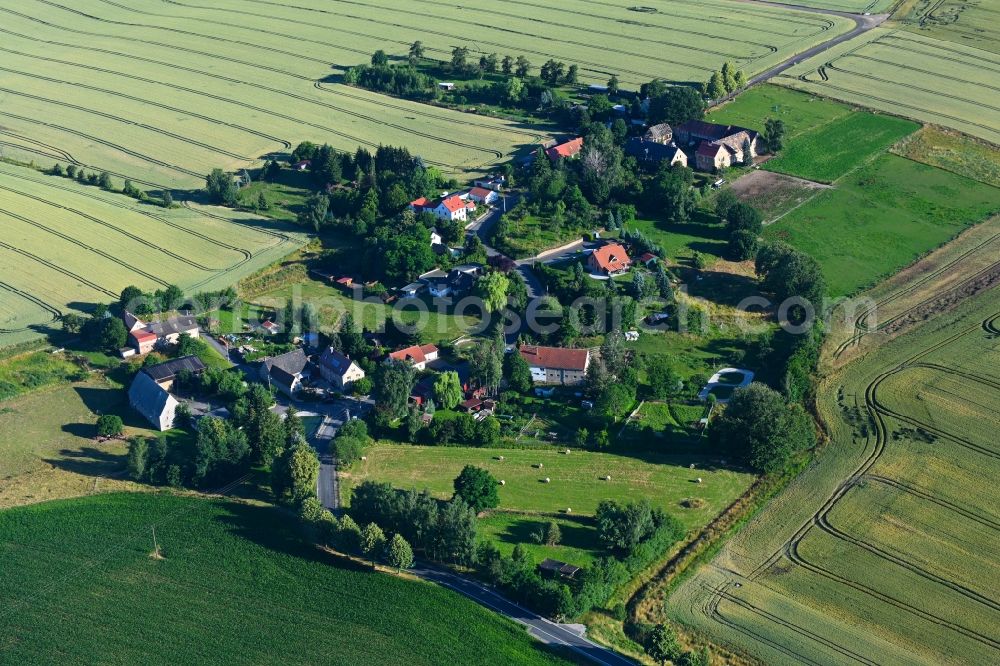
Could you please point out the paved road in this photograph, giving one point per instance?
(544, 630)
(326, 484)
(862, 24)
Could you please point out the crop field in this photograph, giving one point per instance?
(832, 150)
(851, 6)
(883, 217)
(885, 550)
(972, 23)
(68, 246)
(948, 83)
(234, 579)
(965, 266)
(576, 479)
(173, 90)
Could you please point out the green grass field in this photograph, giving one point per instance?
(333, 304)
(34, 371)
(946, 77)
(799, 111)
(579, 544)
(896, 567)
(883, 217)
(47, 445)
(830, 151)
(80, 587)
(576, 479)
(68, 246)
(953, 152)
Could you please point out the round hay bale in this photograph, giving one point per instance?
(699, 480)
(691, 466)
(502, 482)
(547, 480)
(364, 457)
(569, 510)
(607, 478)
(566, 451)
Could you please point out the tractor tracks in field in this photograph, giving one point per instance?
(247, 254)
(820, 519)
(55, 312)
(131, 236)
(493, 153)
(861, 326)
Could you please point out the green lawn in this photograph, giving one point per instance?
(683, 240)
(333, 304)
(533, 234)
(80, 587)
(882, 218)
(828, 152)
(800, 112)
(579, 544)
(576, 479)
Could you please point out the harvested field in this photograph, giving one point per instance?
(577, 478)
(774, 194)
(68, 246)
(884, 550)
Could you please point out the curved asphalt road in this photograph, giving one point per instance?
(862, 24)
(547, 632)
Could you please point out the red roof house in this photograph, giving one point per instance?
(556, 365)
(417, 355)
(610, 259)
(566, 150)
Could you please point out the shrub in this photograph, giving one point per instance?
(110, 425)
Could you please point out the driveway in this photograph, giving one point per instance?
(544, 630)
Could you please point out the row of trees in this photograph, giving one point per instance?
(103, 180)
(726, 81)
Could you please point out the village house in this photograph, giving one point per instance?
(268, 327)
(150, 394)
(144, 337)
(556, 365)
(493, 182)
(566, 150)
(411, 290)
(452, 208)
(718, 146)
(339, 369)
(286, 371)
(483, 195)
(661, 133)
(456, 282)
(417, 355)
(654, 152)
(610, 259)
